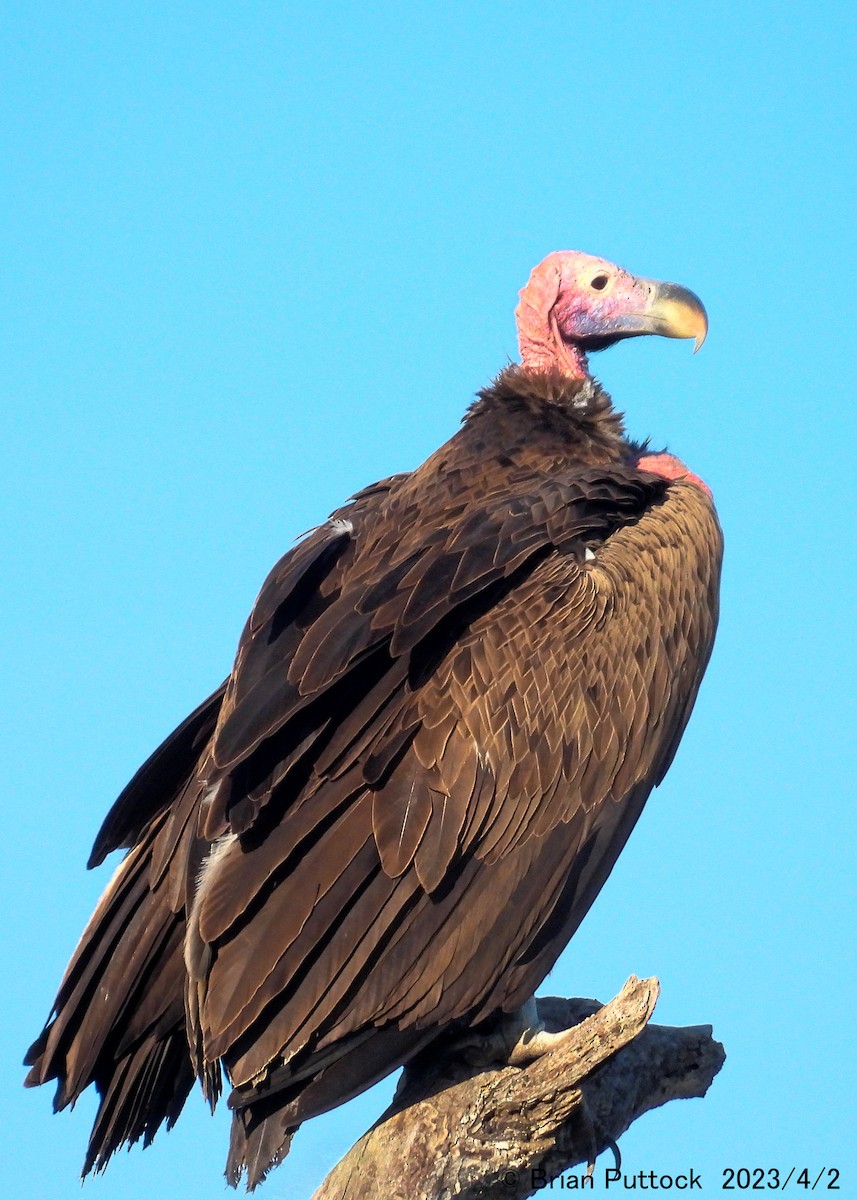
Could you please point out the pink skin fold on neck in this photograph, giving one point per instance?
(670, 467)
(541, 346)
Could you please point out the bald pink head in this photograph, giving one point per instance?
(574, 303)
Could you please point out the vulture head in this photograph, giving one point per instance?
(574, 303)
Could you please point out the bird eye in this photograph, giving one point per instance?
(599, 283)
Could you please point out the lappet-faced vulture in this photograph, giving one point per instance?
(447, 709)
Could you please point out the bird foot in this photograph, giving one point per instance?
(527, 1038)
(516, 1038)
(533, 1043)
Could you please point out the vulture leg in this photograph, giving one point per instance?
(533, 1039)
(513, 1039)
(508, 1039)
(526, 1037)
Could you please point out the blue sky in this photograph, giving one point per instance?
(259, 255)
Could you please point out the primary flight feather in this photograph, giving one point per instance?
(448, 707)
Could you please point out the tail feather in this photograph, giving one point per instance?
(255, 1148)
(266, 1118)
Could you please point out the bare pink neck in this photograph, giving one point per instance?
(537, 355)
(542, 348)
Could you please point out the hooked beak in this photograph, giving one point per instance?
(669, 310)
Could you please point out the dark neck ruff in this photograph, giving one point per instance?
(526, 409)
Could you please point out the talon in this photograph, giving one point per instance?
(534, 1043)
(527, 1038)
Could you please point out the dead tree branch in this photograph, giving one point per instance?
(459, 1132)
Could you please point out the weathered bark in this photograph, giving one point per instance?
(461, 1131)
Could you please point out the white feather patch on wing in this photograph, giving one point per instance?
(209, 864)
(195, 953)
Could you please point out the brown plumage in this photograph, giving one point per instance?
(448, 707)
